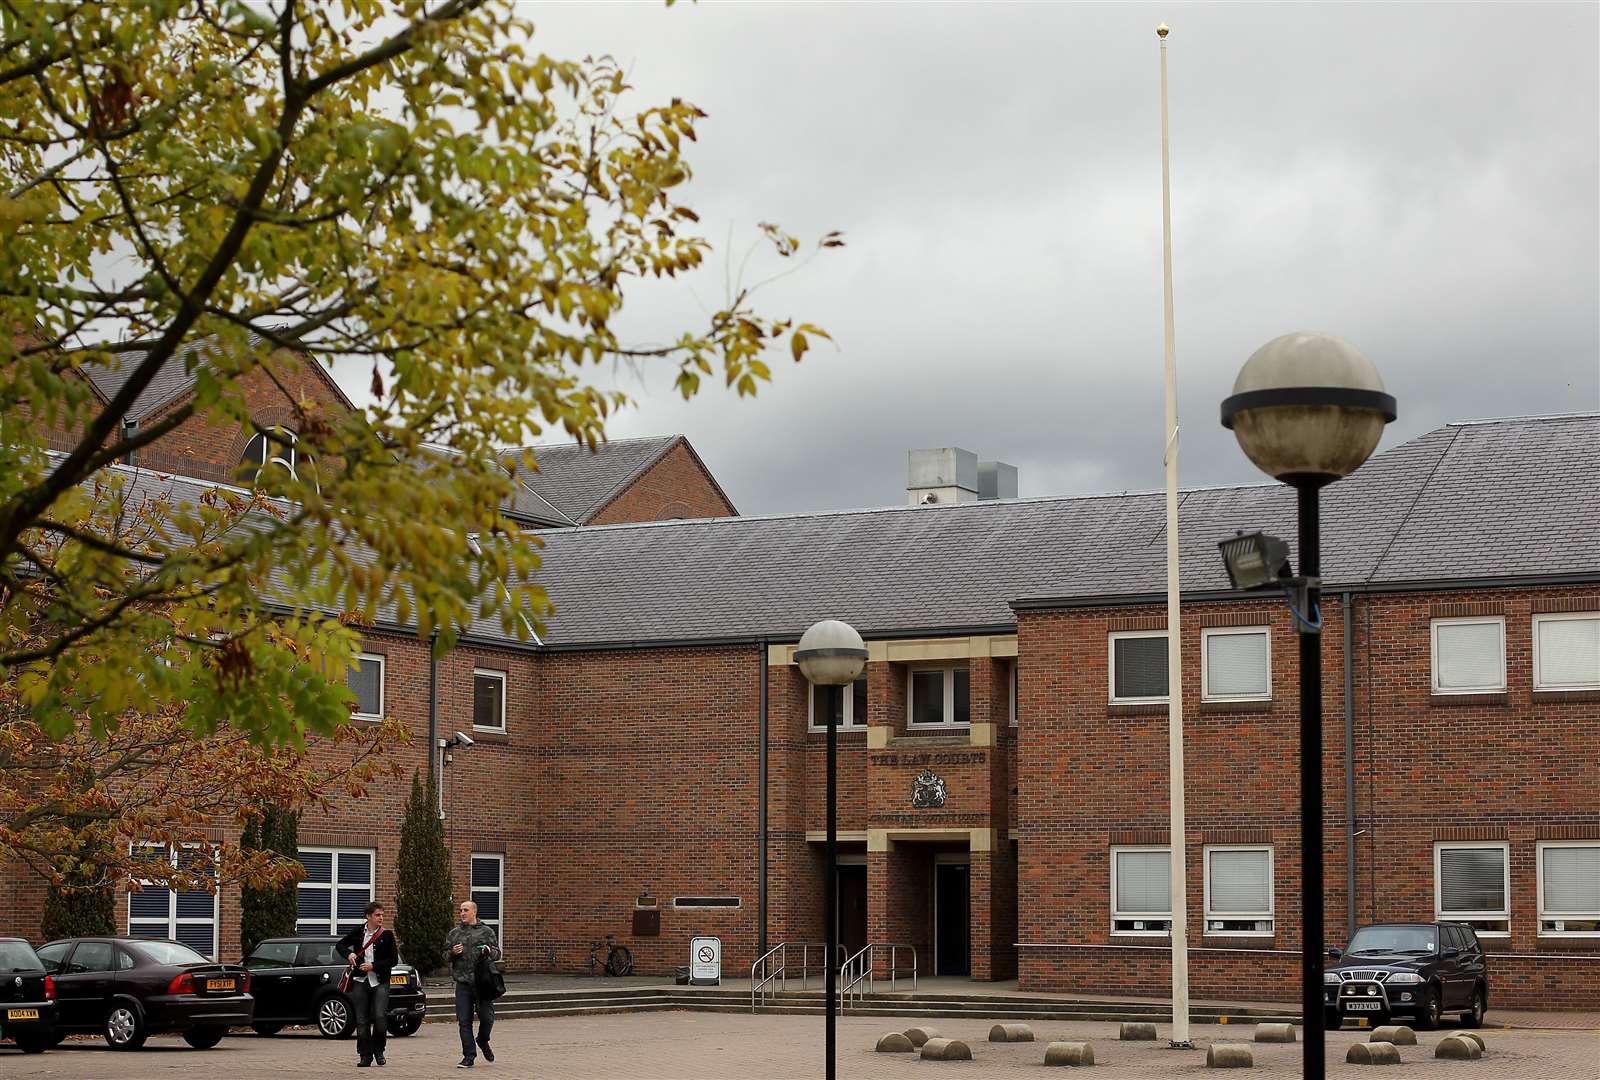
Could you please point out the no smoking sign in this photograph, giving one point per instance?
(705, 961)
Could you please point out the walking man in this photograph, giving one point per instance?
(468, 942)
(372, 953)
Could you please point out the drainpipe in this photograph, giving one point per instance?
(1347, 614)
(433, 706)
(761, 811)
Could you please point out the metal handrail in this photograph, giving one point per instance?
(769, 975)
(862, 967)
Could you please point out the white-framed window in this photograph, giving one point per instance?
(282, 450)
(1238, 890)
(1235, 663)
(366, 683)
(489, 890)
(1472, 884)
(488, 700)
(824, 699)
(186, 915)
(1469, 655)
(939, 696)
(1013, 681)
(1137, 661)
(1569, 888)
(336, 891)
(1141, 891)
(1566, 651)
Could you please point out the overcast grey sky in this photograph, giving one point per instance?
(1423, 180)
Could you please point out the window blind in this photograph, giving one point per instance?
(1140, 665)
(1572, 880)
(1569, 653)
(1468, 656)
(366, 682)
(1472, 879)
(1240, 882)
(1144, 882)
(1236, 665)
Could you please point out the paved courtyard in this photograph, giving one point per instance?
(704, 1046)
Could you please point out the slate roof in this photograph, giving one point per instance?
(1479, 500)
(577, 482)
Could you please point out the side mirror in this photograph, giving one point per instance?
(1451, 953)
(1335, 952)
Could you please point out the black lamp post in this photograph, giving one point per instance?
(831, 654)
(1307, 409)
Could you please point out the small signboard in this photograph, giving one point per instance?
(705, 961)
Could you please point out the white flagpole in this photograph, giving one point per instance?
(1180, 920)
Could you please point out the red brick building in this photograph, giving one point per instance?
(1003, 771)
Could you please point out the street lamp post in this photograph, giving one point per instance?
(1308, 409)
(831, 654)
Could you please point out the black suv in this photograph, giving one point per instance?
(296, 981)
(1420, 970)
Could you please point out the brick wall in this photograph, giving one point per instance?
(676, 486)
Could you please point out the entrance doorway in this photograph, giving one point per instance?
(952, 952)
(852, 909)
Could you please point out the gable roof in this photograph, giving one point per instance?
(176, 377)
(1480, 501)
(579, 483)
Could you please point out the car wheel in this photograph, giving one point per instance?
(204, 1038)
(1331, 1020)
(333, 1017)
(124, 1028)
(1428, 1012)
(266, 1029)
(405, 1027)
(1480, 1005)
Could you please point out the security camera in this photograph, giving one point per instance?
(463, 739)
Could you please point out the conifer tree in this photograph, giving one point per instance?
(83, 903)
(423, 896)
(270, 912)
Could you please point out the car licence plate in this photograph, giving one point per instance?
(22, 1014)
(1363, 1006)
(219, 984)
(397, 980)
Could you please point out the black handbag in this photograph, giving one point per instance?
(487, 980)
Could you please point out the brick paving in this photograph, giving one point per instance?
(702, 1046)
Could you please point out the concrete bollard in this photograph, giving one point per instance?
(1069, 1053)
(1398, 1034)
(1372, 1053)
(1458, 1049)
(946, 1050)
(1011, 1033)
(1132, 1032)
(1473, 1035)
(1229, 1056)
(1275, 1033)
(920, 1035)
(895, 1043)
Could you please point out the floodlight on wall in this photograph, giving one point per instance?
(1255, 560)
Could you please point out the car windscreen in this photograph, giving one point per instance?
(1416, 940)
(168, 952)
(18, 956)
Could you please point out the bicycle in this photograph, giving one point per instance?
(618, 962)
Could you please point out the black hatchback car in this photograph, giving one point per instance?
(27, 998)
(296, 981)
(1418, 970)
(128, 989)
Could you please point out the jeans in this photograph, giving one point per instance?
(372, 1016)
(466, 998)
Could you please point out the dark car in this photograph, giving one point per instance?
(128, 989)
(297, 982)
(1417, 970)
(27, 998)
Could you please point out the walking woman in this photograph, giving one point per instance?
(373, 954)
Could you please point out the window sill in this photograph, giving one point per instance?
(914, 730)
(1540, 695)
(1492, 697)
(1240, 941)
(1145, 708)
(846, 734)
(1254, 705)
(366, 718)
(1582, 941)
(490, 735)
